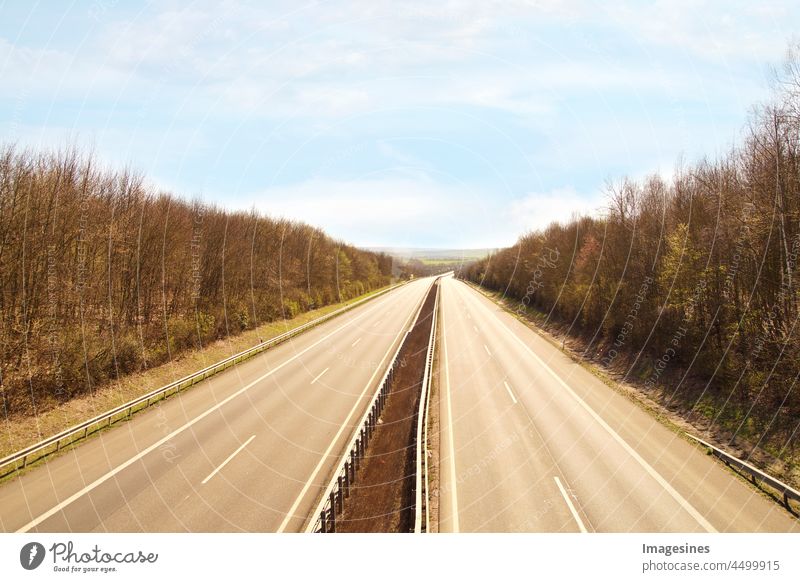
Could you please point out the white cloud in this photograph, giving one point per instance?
(537, 210)
(709, 29)
(399, 211)
(391, 211)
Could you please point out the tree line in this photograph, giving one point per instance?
(688, 285)
(102, 275)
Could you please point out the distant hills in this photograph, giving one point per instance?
(434, 256)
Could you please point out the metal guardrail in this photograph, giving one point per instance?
(22, 458)
(331, 505)
(421, 492)
(757, 476)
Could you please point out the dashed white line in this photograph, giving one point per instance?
(355, 343)
(572, 510)
(228, 460)
(510, 393)
(320, 375)
(485, 347)
(475, 327)
(377, 323)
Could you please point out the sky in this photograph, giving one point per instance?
(452, 124)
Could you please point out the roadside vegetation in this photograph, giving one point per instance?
(102, 276)
(687, 286)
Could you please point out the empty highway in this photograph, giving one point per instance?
(249, 449)
(531, 441)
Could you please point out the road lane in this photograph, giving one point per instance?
(270, 396)
(491, 475)
(624, 471)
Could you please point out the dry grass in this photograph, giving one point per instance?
(21, 432)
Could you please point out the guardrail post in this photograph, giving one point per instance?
(332, 498)
(322, 524)
(347, 479)
(353, 465)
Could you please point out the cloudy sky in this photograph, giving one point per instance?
(389, 123)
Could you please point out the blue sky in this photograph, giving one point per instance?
(456, 124)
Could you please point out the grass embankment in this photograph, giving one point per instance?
(23, 431)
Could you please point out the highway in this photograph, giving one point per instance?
(249, 449)
(532, 441)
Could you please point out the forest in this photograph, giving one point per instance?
(102, 275)
(687, 285)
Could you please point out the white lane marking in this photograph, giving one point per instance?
(100, 480)
(475, 328)
(228, 460)
(355, 343)
(452, 452)
(485, 347)
(510, 393)
(704, 523)
(377, 323)
(572, 510)
(468, 315)
(291, 513)
(320, 375)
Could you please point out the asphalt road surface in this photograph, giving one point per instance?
(249, 449)
(531, 441)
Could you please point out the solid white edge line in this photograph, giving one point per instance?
(291, 513)
(319, 375)
(704, 523)
(453, 483)
(100, 480)
(510, 393)
(572, 509)
(228, 460)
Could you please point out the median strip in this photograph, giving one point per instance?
(376, 488)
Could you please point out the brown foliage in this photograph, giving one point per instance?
(694, 282)
(101, 275)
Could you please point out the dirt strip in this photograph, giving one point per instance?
(382, 497)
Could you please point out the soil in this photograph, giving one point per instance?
(382, 496)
